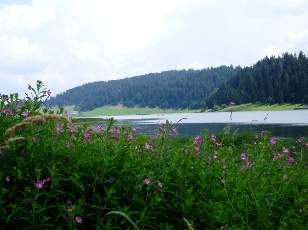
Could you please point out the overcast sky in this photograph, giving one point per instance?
(66, 43)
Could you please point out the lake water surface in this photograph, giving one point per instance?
(290, 123)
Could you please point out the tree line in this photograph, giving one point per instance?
(282, 79)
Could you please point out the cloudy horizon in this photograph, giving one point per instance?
(66, 43)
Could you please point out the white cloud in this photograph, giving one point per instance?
(71, 42)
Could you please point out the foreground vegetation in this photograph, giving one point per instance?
(57, 175)
(260, 107)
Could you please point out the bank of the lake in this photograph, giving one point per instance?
(262, 107)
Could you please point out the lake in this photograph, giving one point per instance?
(289, 123)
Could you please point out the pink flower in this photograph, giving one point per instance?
(276, 155)
(213, 137)
(71, 127)
(115, 132)
(148, 146)
(86, 136)
(198, 140)
(25, 114)
(8, 179)
(39, 184)
(130, 137)
(290, 160)
(285, 150)
(273, 141)
(78, 220)
(98, 129)
(34, 138)
(134, 129)
(174, 130)
(244, 157)
(146, 181)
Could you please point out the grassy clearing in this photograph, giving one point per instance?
(122, 110)
(56, 174)
(254, 107)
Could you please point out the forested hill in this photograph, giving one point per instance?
(170, 89)
(271, 80)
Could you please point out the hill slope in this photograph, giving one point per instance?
(271, 80)
(170, 89)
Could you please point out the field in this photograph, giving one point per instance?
(255, 107)
(57, 174)
(122, 110)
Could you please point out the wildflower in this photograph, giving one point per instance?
(148, 146)
(134, 129)
(34, 138)
(146, 181)
(25, 114)
(7, 112)
(198, 140)
(273, 141)
(174, 130)
(285, 150)
(160, 184)
(130, 137)
(290, 160)
(19, 104)
(8, 179)
(71, 127)
(213, 137)
(115, 132)
(98, 129)
(39, 184)
(244, 157)
(276, 155)
(86, 136)
(78, 220)
(48, 93)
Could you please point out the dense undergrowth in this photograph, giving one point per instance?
(57, 175)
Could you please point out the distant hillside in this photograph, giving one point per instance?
(271, 80)
(170, 89)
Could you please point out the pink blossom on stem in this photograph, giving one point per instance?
(25, 114)
(34, 138)
(198, 140)
(273, 142)
(148, 146)
(86, 136)
(174, 130)
(8, 179)
(146, 181)
(130, 137)
(276, 155)
(290, 160)
(244, 157)
(285, 150)
(78, 220)
(213, 137)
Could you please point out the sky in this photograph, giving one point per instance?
(66, 43)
